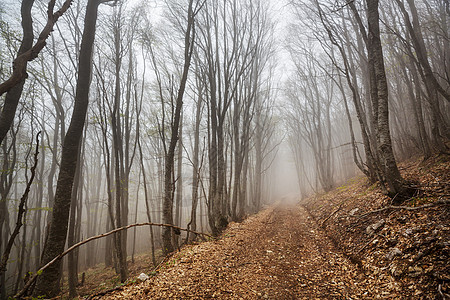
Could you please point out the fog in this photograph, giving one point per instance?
(198, 114)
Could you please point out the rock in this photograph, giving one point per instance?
(393, 253)
(371, 229)
(142, 277)
(353, 211)
(407, 232)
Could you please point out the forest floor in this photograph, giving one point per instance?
(279, 253)
(338, 245)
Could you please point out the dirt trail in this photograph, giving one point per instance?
(277, 254)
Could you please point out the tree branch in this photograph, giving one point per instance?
(20, 63)
(21, 293)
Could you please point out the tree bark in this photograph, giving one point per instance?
(47, 283)
(169, 159)
(71, 240)
(394, 181)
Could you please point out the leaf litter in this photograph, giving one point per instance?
(320, 249)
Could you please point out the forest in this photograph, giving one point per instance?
(149, 125)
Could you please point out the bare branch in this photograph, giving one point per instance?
(20, 63)
(21, 293)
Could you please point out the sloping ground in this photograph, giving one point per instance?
(293, 251)
(409, 245)
(100, 278)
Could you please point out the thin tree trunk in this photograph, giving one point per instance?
(71, 239)
(170, 155)
(179, 180)
(195, 169)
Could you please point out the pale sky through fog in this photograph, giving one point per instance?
(281, 15)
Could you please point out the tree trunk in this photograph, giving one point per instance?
(170, 156)
(116, 125)
(393, 179)
(195, 170)
(179, 179)
(71, 240)
(47, 283)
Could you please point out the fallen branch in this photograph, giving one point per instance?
(437, 203)
(114, 289)
(38, 272)
(365, 245)
(332, 214)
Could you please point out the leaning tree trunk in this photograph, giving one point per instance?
(47, 283)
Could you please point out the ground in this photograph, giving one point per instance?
(279, 253)
(338, 245)
(411, 246)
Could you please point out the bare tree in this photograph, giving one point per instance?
(13, 86)
(169, 184)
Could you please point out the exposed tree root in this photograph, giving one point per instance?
(392, 207)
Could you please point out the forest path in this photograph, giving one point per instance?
(277, 254)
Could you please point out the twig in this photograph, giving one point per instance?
(332, 214)
(393, 199)
(21, 212)
(385, 238)
(342, 6)
(103, 293)
(364, 247)
(38, 272)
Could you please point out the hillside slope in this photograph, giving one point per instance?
(331, 246)
(409, 244)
